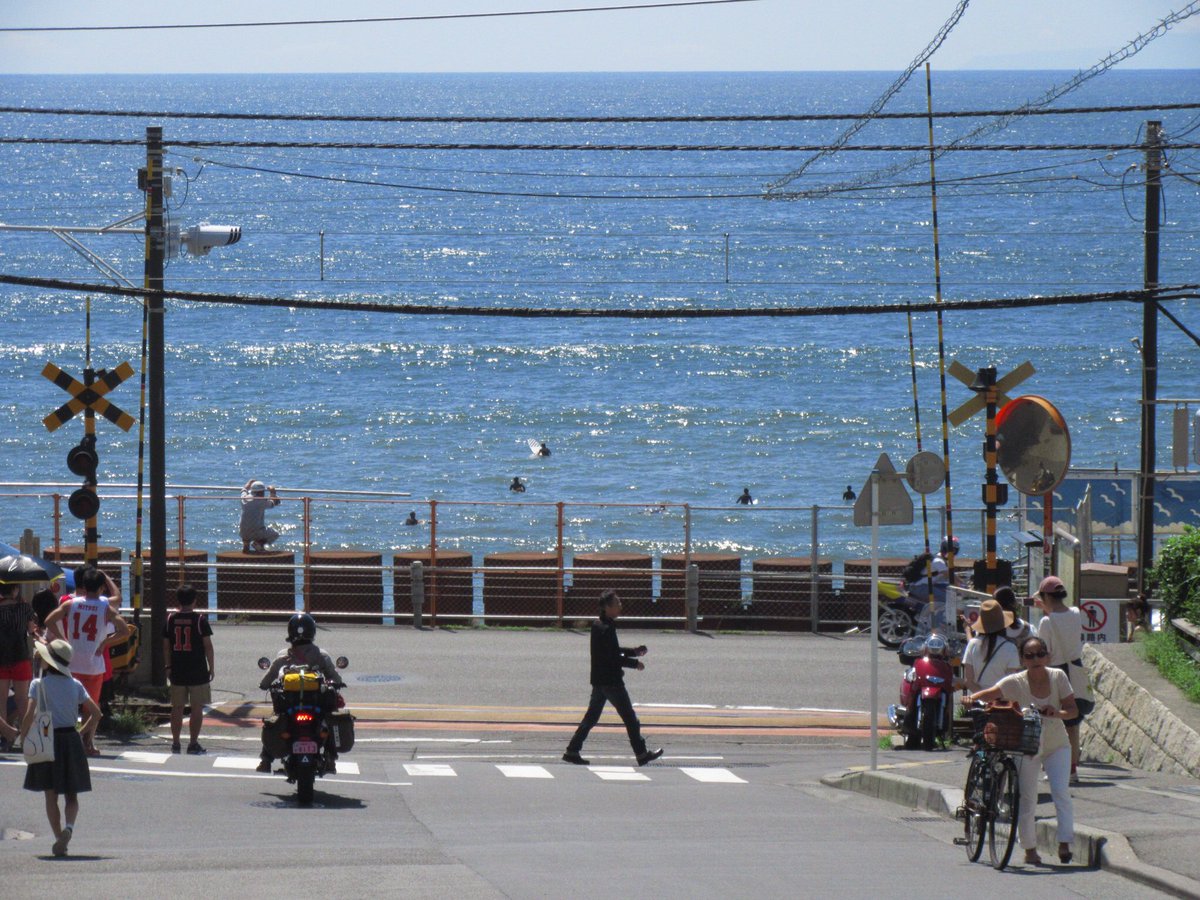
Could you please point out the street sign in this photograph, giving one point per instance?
(84, 396)
(926, 472)
(1101, 621)
(979, 401)
(895, 506)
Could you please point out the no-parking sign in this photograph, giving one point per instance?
(1101, 620)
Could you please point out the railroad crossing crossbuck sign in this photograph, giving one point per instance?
(976, 403)
(88, 396)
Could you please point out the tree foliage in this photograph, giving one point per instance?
(1175, 577)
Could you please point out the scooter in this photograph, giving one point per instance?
(926, 707)
(900, 615)
(309, 724)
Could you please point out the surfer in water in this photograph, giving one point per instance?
(745, 499)
(516, 487)
(849, 496)
(543, 450)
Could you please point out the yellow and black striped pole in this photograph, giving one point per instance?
(937, 280)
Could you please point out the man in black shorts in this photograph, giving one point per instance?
(188, 647)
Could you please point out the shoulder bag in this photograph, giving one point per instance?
(38, 746)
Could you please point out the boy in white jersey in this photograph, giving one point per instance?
(83, 622)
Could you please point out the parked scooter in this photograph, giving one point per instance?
(926, 709)
(901, 615)
(310, 724)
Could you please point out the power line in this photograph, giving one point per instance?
(1157, 295)
(609, 148)
(584, 120)
(375, 19)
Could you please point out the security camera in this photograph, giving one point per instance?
(199, 239)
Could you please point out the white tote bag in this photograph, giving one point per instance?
(39, 740)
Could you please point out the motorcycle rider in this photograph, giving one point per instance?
(940, 569)
(301, 629)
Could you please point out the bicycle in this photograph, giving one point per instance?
(992, 793)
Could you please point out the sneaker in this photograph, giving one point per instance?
(60, 845)
(264, 765)
(175, 748)
(649, 756)
(575, 758)
(194, 749)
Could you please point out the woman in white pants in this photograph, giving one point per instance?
(1049, 690)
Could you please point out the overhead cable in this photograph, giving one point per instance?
(583, 120)
(376, 19)
(1151, 295)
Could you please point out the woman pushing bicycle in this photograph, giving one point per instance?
(1049, 691)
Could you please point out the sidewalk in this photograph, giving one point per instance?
(1141, 825)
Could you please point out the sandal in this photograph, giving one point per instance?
(1032, 858)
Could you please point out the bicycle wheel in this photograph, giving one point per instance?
(974, 808)
(1005, 805)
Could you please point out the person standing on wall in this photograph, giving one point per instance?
(609, 659)
(188, 646)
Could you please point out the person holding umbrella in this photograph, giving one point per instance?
(17, 623)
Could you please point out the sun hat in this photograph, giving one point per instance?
(1052, 587)
(993, 618)
(56, 654)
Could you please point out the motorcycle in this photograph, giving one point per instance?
(309, 724)
(900, 615)
(926, 707)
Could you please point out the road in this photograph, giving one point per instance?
(477, 803)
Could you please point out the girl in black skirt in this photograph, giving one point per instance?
(62, 695)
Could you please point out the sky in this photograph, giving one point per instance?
(762, 35)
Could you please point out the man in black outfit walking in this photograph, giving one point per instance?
(608, 684)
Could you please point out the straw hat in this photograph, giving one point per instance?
(56, 654)
(993, 618)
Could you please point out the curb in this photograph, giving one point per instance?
(1102, 849)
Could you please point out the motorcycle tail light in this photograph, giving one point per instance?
(304, 717)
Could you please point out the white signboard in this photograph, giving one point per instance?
(1101, 620)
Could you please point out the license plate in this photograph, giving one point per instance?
(301, 747)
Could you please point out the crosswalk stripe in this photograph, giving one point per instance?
(712, 776)
(618, 773)
(519, 771)
(429, 769)
(143, 756)
(235, 762)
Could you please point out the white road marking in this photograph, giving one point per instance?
(142, 756)
(235, 762)
(435, 770)
(618, 773)
(712, 776)
(515, 771)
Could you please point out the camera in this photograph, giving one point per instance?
(199, 239)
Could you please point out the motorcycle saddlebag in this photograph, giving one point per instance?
(341, 726)
(272, 737)
(301, 681)
(1007, 729)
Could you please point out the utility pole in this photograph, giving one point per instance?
(1148, 466)
(156, 246)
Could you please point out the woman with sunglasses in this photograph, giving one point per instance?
(1049, 691)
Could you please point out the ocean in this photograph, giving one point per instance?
(648, 414)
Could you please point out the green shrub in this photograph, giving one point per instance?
(1163, 650)
(1175, 577)
(129, 722)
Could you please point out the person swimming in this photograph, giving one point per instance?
(543, 450)
(412, 519)
(745, 499)
(849, 495)
(517, 487)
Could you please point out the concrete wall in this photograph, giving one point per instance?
(1131, 724)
